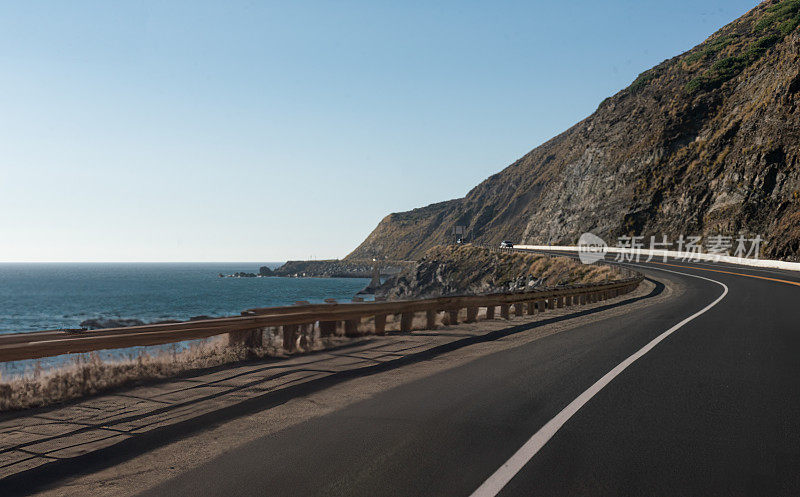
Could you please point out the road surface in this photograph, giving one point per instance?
(711, 409)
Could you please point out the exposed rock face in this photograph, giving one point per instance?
(704, 143)
(469, 270)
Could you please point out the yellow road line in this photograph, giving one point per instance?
(730, 272)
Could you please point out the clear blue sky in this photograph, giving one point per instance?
(263, 131)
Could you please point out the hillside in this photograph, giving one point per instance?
(469, 270)
(704, 143)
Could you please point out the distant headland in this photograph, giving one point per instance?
(330, 268)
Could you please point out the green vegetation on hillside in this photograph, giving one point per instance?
(780, 20)
(711, 49)
(643, 80)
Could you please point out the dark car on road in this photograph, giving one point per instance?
(506, 244)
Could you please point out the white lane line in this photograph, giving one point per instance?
(507, 471)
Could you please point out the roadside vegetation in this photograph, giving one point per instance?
(89, 374)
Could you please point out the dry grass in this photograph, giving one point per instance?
(89, 374)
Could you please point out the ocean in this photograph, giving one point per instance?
(46, 296)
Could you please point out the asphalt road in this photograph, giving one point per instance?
(712, 409)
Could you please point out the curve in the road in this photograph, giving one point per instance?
(492, 486)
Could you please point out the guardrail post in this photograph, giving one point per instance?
(551, 303)
(560, 302)
(504, 308)
(406, 320)
(380, 324)
(519, 309)
(430, 320)
(305, 335)
(247, 338)
(490, 311)
(290, 338)
(327, 328)
(351, 327)
(568, 300)
(531, 307)
(472, 315)
(453, 314)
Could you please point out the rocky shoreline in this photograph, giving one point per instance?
(335, 268)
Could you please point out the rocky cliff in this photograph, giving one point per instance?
(470, 270)
(704, 143)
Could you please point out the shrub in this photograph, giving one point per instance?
(642, 81)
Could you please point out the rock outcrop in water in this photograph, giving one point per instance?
(100, 323)
(704, 143)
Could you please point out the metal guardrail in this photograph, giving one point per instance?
(297, 320)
